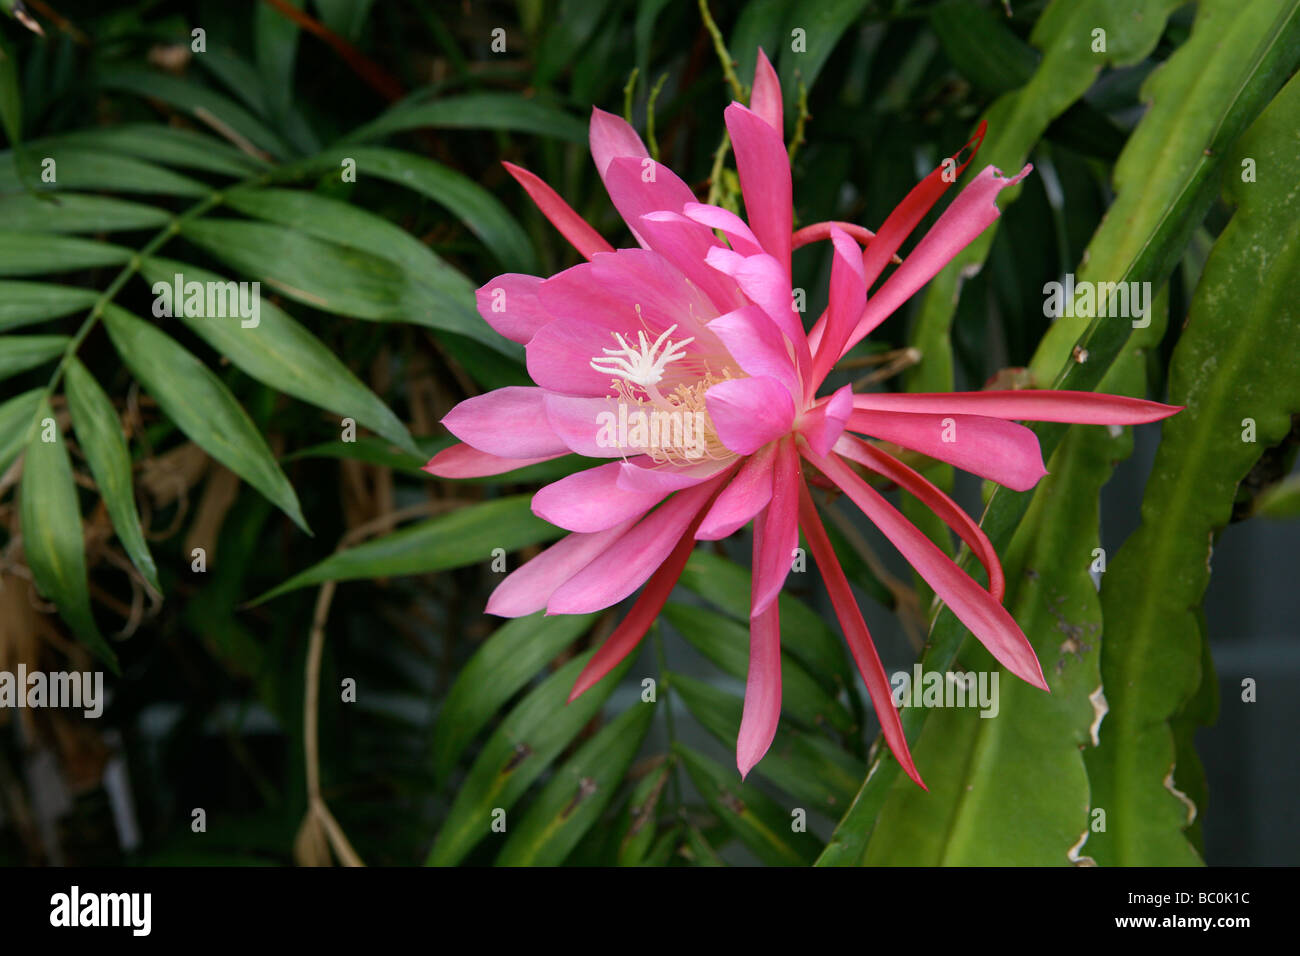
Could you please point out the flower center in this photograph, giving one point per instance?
(672, 425)
(643, 364)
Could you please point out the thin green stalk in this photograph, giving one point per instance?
(715, 174)
(650, 118)
(128, 270)
(801, 121)
(724, 55)
(211, 201)
(629, 91)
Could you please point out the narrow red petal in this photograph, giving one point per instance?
(905, 217)
(864, 453)
(629, 632)
(973, 211)
(1028, 404)
(822, 230)
(856, 633)
(762, 710)
(776, 530)
(465, 461)
(562, 216)
(908, 214)
(988, 620)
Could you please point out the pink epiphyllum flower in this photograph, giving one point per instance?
(684, 365)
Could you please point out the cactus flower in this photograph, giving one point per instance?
(682, 367)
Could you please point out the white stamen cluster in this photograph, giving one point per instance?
(642, 364)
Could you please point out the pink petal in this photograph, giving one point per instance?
(905, 217)
(466, 461)
(745, 496)
(686, 244)
(818, 231)
(627, 291)
(641, 186)
(666, 296)
(559, 357)
(527, 589)
(908, 214)
(847, 299)
(642, 474)
(638, 554)
(591, 500)
(572, 226)
(610, 137)
(1035, 405)
(505, 423)
(747, 413)
(587, 426)
(647, 607)
(948, 510)
(761, 278)
(987, 619)
(765, 99)
(989, 447)
(762, 690)
(757, 346)
(509, 304)
(764, 169)
(856, 634)
(823, 424)
(742, 239)
(776, 531)
(609, 427)
(608, 290)
(961, 223)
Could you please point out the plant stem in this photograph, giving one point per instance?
(210, 202)
(801, 121)
(650, 118)
(628, 92)
(715, 174)
(128, 270)
(720, 46)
